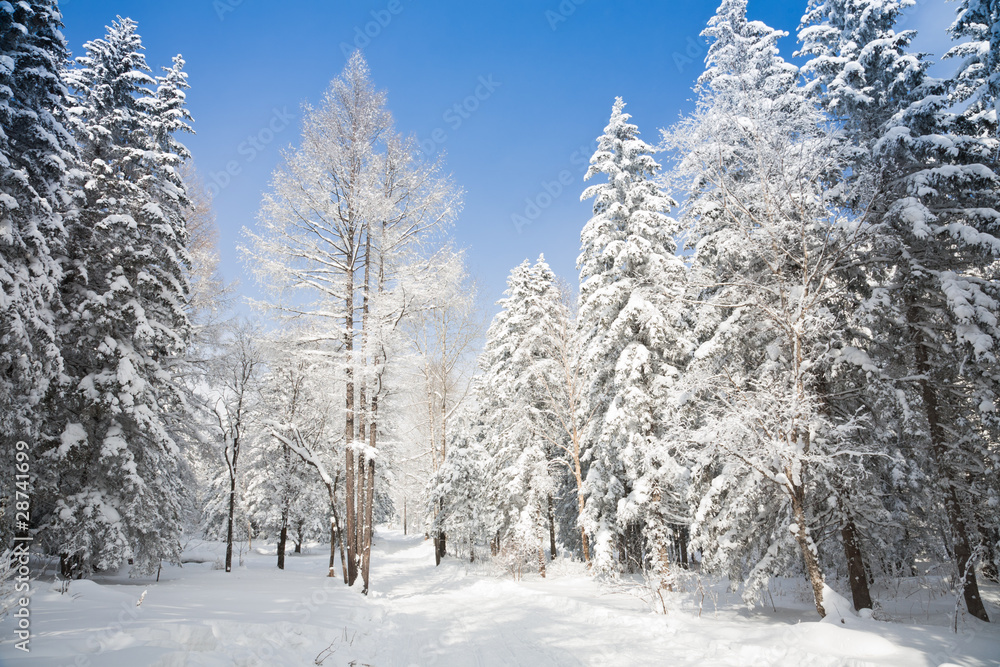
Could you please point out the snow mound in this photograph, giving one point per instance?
(838, 609)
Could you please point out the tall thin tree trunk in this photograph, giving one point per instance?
(283, 538)
(366, 555)
(229, 524)
(552, 530)
(372, 445)
(232, 505)
(581, 501)
(808, 549)
(340, 530)
(966, 573)
(349, 529)
(285, 503)
(359, 510)
(856, 570)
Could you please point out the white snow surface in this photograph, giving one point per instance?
(455, 614)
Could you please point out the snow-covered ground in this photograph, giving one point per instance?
(458, 614)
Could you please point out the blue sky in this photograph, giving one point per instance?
(546, 73)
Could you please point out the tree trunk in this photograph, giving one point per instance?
(285, 502)
(581, 502)
(552, 531)
(683, 536)
(229, 521)
(366, 554)
(990, 539)
(856, 570)
(663, 567)
(349, 532)
(966, 573)
(340, 532)
(808, 549)
(282, 538)
(541, 560)
(70, 566)
(359, 509)
(370, 501)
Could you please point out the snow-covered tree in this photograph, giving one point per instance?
(440, 334)
(555, 380)
(36, 155)
(234, 402)
(115, 490)
(302, 448)
(516, 427)
(455, 495)
(977, 83)
(633, 347)
(348, 208)
(767, 272)
(931, 196)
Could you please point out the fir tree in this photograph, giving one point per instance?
(633, 343)
(931, 196)
(769, 250)
(977, 83)
(36, 157)
(519, 464)
(116, 494)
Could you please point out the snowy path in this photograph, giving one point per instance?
(419, 614)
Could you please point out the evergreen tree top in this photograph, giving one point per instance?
(113, 69)
(744, 54)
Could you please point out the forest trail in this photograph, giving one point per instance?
(453, 615)
(459, 614)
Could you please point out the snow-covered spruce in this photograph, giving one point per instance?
(769, 250)
(113, 481)
(37, 155)
(927, 172)
(633, 337)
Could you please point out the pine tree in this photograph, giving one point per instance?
(931, 195)
(769, 251)
(977, 83)
(36, 156)
(632, 337)
(519, 473)
(117, 488)
(455, 496)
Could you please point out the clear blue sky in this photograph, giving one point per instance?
(554, 69)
